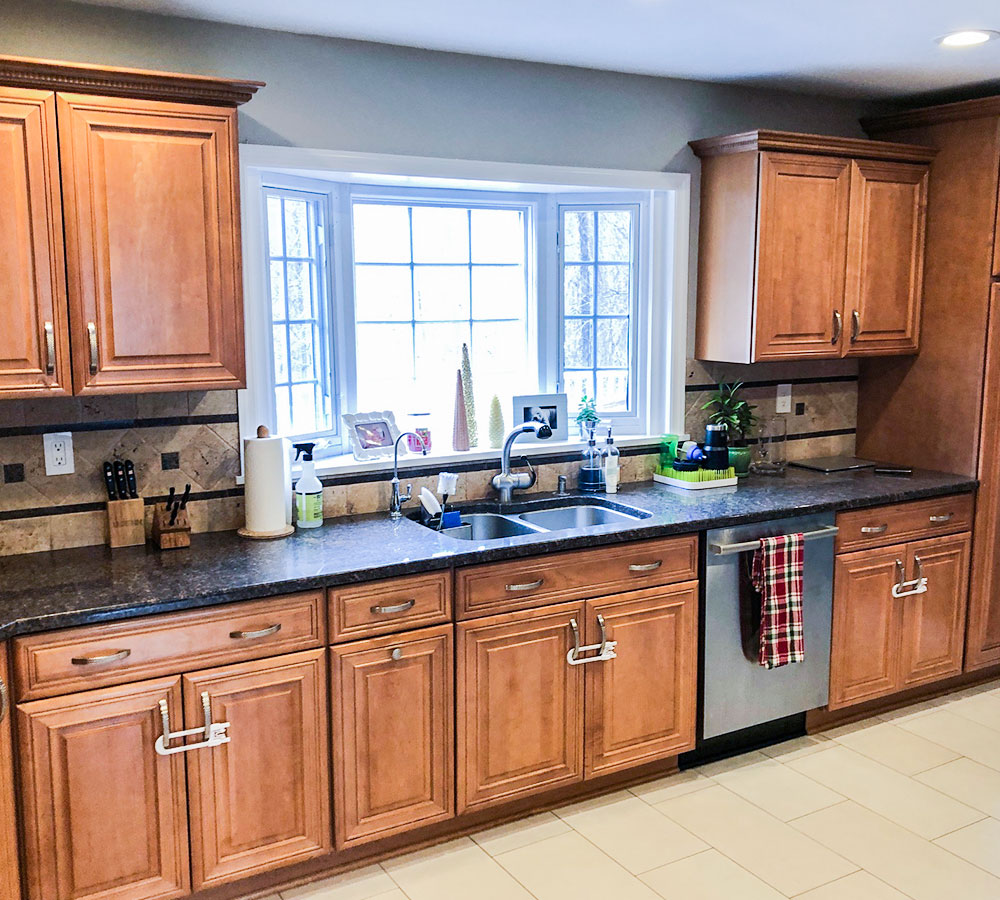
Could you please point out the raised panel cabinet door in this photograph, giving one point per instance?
(801, 256)
(864, 652)
(104, 815)
(641, 705)
(34, 331)
(262, 800)
(10, 877)
(393, 734)
(520, 705)
(152, 244)
(885, 257)
(933, 632)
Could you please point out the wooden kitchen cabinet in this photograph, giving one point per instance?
(10, 875)
(34, 335)
(519, 705)
(104, 815)
(641, 706)
(262, 800)
(888, 636)
(393, 734)
(152, 244)
(810, 247)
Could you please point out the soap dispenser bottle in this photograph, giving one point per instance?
(308, 490)
(592, 470)
(612, 465)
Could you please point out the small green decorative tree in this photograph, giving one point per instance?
(729, 409)
(587, 417)
(496, 423)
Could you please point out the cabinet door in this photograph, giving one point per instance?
(640, 706)
(393, 734)
(885, 260)
(10, 878)
(520, 705)
(104, 815)
(864, 652)
(262, 800)
(801, 256)
(152, 244)
(34, 336)
(933, 632)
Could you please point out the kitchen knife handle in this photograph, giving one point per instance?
(133, 487)
(121, 485)
(109, 482)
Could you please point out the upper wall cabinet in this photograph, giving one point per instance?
(139, 171)
(810, 247)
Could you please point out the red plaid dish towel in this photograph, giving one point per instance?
(777, 577)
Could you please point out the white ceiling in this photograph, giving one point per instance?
(863, 48)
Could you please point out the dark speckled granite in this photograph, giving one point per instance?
(74, 587)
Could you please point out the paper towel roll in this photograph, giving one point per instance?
(267, 485)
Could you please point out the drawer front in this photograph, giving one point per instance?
(883, 525)
(79, 659)
(394, 604)
(579, 575)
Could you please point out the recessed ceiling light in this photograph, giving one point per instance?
(967, 38)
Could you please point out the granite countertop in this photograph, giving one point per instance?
(43, 591)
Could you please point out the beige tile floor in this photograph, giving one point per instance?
(903, 805)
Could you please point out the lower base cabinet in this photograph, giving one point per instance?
(10, 875)
(535, 714)
(262, 800)
(887, 635)
(105, 817)
(393, 734)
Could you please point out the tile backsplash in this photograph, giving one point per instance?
(178, 438)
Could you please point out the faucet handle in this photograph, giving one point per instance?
(409, 492)
(533, 477)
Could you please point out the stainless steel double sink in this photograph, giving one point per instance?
(541, 517)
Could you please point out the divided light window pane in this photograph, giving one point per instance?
(299, 314)
(598, 287)
(428, 278)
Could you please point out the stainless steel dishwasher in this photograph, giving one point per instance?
(738, 692)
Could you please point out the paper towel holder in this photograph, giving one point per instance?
(244, 532)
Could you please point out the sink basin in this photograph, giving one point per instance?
(488, 526)
(564, 517)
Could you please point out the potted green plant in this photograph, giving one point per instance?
(728, 408)
(587, 417)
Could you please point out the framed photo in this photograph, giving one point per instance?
(551, 407)
(372, 434)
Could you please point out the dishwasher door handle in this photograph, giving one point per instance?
(745, 546)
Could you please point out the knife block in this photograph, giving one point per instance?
(126, 523)
(167, 536)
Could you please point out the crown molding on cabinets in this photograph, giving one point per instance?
(822, 145)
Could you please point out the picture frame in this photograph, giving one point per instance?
(372, 434)
(551, 406)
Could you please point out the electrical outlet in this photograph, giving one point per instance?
(58, 453)
(783, 403)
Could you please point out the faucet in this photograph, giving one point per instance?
(396, 504)
(507, 482)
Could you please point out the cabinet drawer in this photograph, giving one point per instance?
(522, 584)
(381, 607)
(860, 528)
(97, 655)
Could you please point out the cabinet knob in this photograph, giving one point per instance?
(396, 654)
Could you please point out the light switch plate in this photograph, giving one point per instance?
(58, 453)
(783, 403)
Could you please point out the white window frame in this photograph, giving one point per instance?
(661, 321)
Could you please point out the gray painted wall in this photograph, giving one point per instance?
(351, 95)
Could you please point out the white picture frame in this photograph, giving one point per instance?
(373, 435)
(551, 406)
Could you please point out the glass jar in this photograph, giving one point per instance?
(770, 455)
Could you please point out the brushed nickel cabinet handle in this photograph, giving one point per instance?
(92, 336)
(838, 327)
(50, 349)
(645, 567)
(4, 701)
(527, 586)
(394, 608)
(855, 325)
(114, 656)
(251, 635)
(875, 529)
(940, 520)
